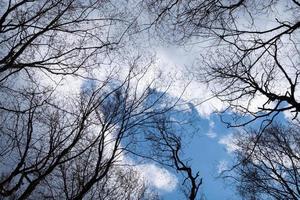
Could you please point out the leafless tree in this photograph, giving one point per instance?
(122, 182)
(129, 185)
(59, 37)
(64, 149)
(69, 146)
(250, 60)
(166, 149)
(272, 171)
(253, 50)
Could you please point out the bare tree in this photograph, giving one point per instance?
(166, 149)
(250, 60)
(64, 149)
(272, 171)
(122, 182)
(60, 146)
(51, 39)
(253, 50)
(128, 184)
(59, 37)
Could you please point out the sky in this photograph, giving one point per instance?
(209, 148)
(208, 153)
(211, 151)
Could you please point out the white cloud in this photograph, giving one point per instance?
(222, 166)
(290, 115)
(230, 143)
(211, 124)
(211, 134)
(158, 177)
(173, 62)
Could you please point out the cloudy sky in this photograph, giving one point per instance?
(209, 144)
(210, 148)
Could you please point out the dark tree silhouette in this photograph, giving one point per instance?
(59, 37)
(64, 149)
(271, 170)
(250, 61)
(57, 145)
(166, 149)
(253, 50)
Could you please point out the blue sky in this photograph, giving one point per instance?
(206, 153)
(206, 138)
(204, 149)
(207, 149)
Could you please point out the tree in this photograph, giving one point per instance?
(171, 145)
(272, 169)
(165, 147)
(58, 144)
(66, 149)
(122, 182)
(252, 65)
(59, 37)
(253, 51)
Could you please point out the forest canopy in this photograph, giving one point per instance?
(86, 103)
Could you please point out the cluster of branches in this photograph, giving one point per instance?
(70, 148)
(59, 37)
(56, 148)
(271, 169)
(73, 145)
(252, 65)
(248, 58)
(62, 150)
(167, 149)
